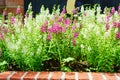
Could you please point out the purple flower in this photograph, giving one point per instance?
(118, 35)
(113, 10)
(12, 20)
(76, 34)
(18, 10)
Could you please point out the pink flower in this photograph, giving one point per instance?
(63, 11)
(115, 24)
(46, 22)
(43, 29)
(60, 19)
(49, 36)
(113, 10)
(74, 11)
(5, 31)
(107, 26)
(118, 8)
(2, 36)
(56, 28)
(18, 10)
(12, 20)
(74, 42)
(76, 34)
(4, 13)
(118, 35)
(108, 17)
(74, 27)
(67, 22)
(118, 24)
(85, 14)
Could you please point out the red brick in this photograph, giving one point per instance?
(118, 74)
(70, 76)
(13, 10)
(4, 75)
(110, 76)
(14, 2)
(56, 76)
(2, 2)
(97, 76)
(43, 76)
(17, 76)
(30, 76)
(1, 10)
(83, 76)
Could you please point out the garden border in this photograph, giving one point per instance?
(16, 75)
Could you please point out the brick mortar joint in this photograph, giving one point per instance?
(11, 6)
(63, 76)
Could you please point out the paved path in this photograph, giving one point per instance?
(12, 75)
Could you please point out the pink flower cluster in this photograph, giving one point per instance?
(113, 10)
(18, 10)
(56, 28)
(116, 24)
(12, 20)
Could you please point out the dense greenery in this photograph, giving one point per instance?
(87, 39)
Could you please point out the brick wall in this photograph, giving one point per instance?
(2, 4)
(11, 5)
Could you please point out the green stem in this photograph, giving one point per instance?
(59, 54)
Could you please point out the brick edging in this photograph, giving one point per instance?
(15, 75)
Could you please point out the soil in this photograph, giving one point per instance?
(54, 65)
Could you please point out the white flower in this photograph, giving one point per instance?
(89, 48)
(107, 34)
(82, 46)
(77, 24)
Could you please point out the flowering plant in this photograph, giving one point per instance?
(87, 37)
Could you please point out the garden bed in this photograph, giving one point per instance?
(87, 40)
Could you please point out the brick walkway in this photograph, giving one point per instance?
(12, 75)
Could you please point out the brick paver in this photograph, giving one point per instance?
(15, 75)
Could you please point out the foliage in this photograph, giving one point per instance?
(86, 36)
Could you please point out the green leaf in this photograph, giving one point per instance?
(68, 59)
(3, 63)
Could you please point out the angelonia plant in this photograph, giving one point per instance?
(87, 37)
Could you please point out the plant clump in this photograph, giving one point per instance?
(88, 40)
